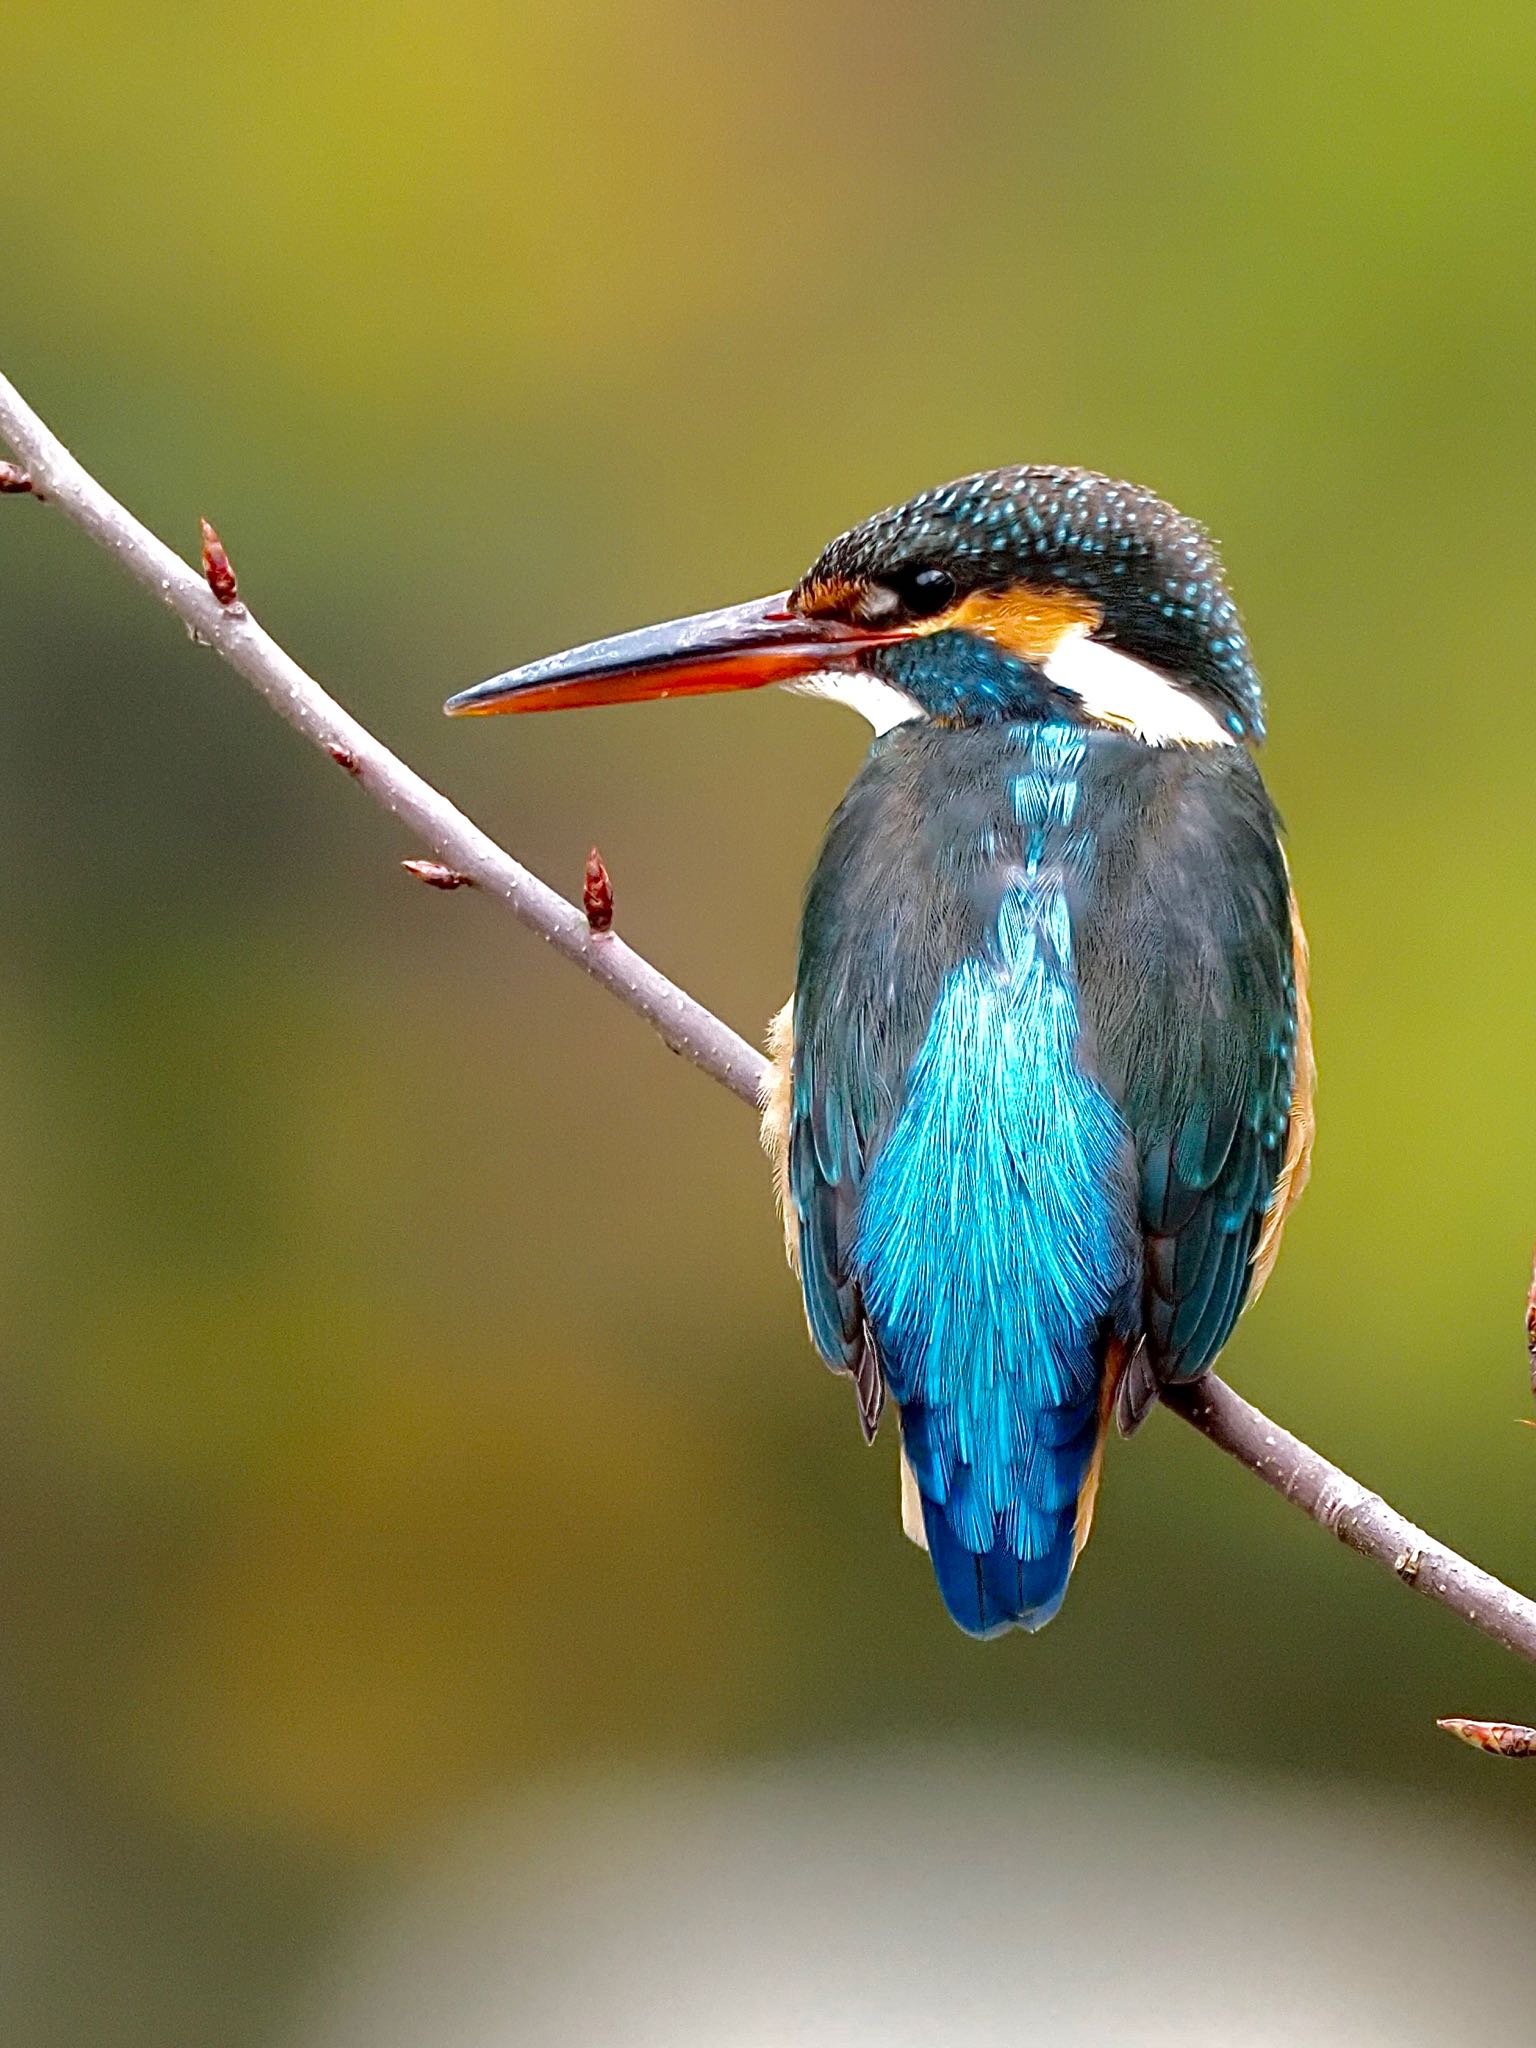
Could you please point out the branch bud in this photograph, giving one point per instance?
(1497, 1738)
(436, 876)
(216, 567)
(597, 894)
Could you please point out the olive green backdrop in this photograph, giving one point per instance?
(405, 1402)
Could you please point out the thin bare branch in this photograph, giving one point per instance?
(686, 1025)
(1358, 1517)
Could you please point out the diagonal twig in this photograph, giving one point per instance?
(1359, 1518)
(229, 628)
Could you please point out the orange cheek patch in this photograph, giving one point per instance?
(1028, 623)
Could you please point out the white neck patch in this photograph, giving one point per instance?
(1112, 687)
(1121, 691)
(881, 703)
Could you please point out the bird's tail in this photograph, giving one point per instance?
(989, 1591)
(1011, 1571)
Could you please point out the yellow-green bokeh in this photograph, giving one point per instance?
(406, 1398)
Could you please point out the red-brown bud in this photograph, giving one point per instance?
(1498, 1738)
(597, 894)
(436, 876)
(216, 567)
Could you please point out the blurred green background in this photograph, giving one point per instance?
(406, 1403)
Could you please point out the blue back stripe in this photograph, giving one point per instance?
(988, 1253)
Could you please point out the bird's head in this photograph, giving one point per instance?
(1018, 593)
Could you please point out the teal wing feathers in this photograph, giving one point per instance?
(1209, 1065)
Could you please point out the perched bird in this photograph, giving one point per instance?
(1044, 1089)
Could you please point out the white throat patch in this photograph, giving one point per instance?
(1120, 691)
(881, 703)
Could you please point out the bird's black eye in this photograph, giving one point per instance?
(923, 593)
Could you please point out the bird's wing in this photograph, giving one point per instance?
(886, 920)
(829, 1136)
(836, 1320)
(1296, 1167)
(1211, 1085)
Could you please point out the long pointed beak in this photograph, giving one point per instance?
(740, 648)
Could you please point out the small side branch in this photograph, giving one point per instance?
(463, 852)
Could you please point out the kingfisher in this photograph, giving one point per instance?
(1043, 1095)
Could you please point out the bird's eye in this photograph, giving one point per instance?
(923, 593)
